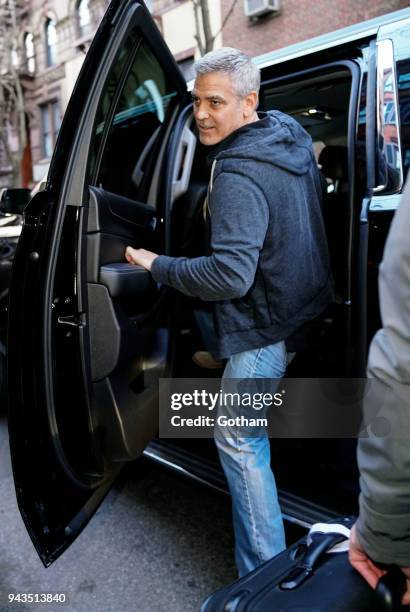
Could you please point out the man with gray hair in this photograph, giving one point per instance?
(266, 272)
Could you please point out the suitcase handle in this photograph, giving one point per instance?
(390, 588)
(320, 544)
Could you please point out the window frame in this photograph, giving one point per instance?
(83, 30)
(29, 58)
(50, 47)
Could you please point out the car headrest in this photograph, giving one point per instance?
(333, 162)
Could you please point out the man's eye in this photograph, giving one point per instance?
(215, 102)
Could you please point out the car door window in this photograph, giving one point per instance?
(403, 77)
(132, 111)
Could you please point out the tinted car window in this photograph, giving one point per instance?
(403, 77)
(135, 104)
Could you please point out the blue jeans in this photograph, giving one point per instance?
(257, 518)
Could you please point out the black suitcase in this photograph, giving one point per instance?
(307, 578)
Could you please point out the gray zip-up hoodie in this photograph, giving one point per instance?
(268, 268)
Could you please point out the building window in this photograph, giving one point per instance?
(50, 125)
(83, 18)
(29, 53)
(5, 166)
(51, 43)
(15, 63)
(186, 66)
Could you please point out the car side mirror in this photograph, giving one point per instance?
(14, 201)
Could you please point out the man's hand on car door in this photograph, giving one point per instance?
(140, 257)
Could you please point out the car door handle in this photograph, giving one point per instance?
(124, 279)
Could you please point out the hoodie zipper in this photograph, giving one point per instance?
(210, 185)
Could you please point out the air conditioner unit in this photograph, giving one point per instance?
(255, 8)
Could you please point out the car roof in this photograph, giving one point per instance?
(364, 29)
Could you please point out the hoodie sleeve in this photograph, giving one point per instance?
(239, 217)
(383, 527)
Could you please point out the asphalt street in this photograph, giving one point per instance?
(158, 542)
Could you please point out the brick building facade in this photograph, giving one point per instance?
(297, 20)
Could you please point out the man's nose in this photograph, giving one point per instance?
(200, 112)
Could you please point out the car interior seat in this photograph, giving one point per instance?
(333, 164)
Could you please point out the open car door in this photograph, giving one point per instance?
(385, 177)
(86, 342)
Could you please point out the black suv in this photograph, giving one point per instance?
(90, 335)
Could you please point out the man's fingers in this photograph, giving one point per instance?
(361, 562)
(376, 570)
(371, 574)
(129, 254)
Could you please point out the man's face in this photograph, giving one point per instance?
(217, 109)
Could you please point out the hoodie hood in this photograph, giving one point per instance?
(276, 139)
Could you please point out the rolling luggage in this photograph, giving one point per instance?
(312, 575)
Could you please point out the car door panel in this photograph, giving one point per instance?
(125, 280)
(86, 345)
(117, 214)
(114, 222)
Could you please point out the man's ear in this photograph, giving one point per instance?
(250, 103)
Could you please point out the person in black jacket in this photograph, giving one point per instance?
(266, 273)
